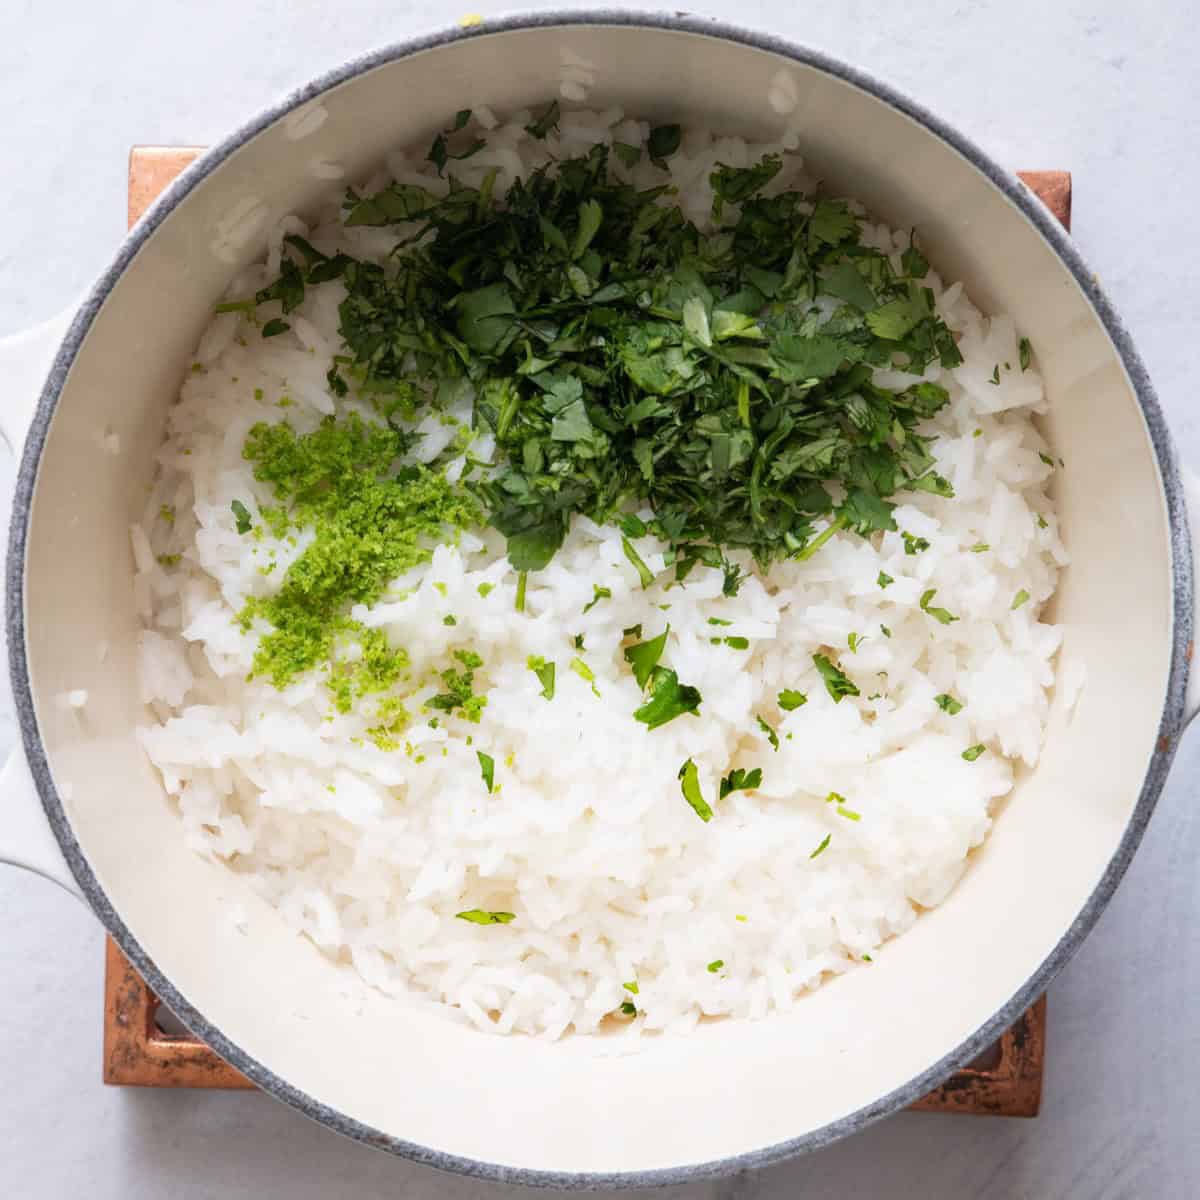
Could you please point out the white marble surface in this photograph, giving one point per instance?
(1105, 88)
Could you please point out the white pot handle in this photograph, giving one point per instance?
(1191, 497)
(25, 837)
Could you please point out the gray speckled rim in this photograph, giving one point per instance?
(1169, 729)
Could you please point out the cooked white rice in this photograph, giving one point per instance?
(587, 838)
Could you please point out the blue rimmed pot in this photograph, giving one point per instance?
(87, 396)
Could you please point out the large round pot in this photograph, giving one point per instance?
(735, 1093)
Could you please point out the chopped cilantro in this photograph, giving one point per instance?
(629, 155)
(944, 615)
(485, 589)
(487, 768)
(169, 560)
(598, 593)
(771, 735)
(914, 545)
(790, 699)
(449, 619)
(578, 642)
(885, 631)
(459, 695)
(546, 122)
(480, 916)
(644, 572)
(632, 631)
(628, 1008)
(974, 752)
(848, 813)
(718, 621)
(821, 848)
(545, 672)
(1020, 598)
(690, 786)
(837, 684)
(522, 581)
(739, 780)
(1042, 522)
(585, 673)
(948, 704)
(1045, 458)
(167, 513)
(980, 548)
(241, 515)
(644, 656)
(853, 640)
(736, 643)
(631, 986)
(668, 699)
(274, 327)
(1025, 351)
(663, 142)
(714, 966)
(884, 579)
(995, 376)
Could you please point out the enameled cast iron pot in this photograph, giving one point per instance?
(733, 1094)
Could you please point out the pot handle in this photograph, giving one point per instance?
(1191, 498)
(25, 836)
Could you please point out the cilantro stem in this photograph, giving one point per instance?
(820, 539)
(522, 580)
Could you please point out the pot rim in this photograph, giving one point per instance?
(1170, 726)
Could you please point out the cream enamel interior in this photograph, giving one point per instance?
(731, 1087)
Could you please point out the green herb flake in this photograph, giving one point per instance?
(544, 671)
(714, 966)
(822, 847)
(546, 122)
(980, 548)
(867, 958)
(668, 699)
(943, 615)
(1045, 458)
(449, 619)
(689, 778)
(718, 621)
(487, 768)
(837, 683)
(974, 752)
(848, 813)
(739, 780)
(585, 673)
(485, 589)
(994, 379)
(631, 986)
(1020, 598)
(1025, 352)
(948, 704)
(790, 699)
(598, 593)
(644, 572)
(522, 582)
(169, 560)
(628, 1008)
(644, 656)
(1042, 522)
(241, 515)
(663, 142)
(853, 640)
(736, 643)
(914, 545)
(770, 733)
(884, 579)
(885, 631)
(167, 513)
(275, 327)
(480, 916)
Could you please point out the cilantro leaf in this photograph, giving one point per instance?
(973, 752)
(1025, 353)
(668, 699)
(821, 848)
(689, 778)
(739, 780)
(644, 572)
(544, 671)
(884, 579)
(629, 155)
(714, 966)
(643, 657)
(790, 699)
(480, 916)
(546, 122)
(663, 142)
(242, 515)
(487, 768)
(1020, 598)
(837, 683)
(770, 733)
(948, 704)
(938, 614)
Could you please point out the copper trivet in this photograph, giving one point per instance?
(1004, 1081)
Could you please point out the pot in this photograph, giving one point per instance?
(83, 806)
